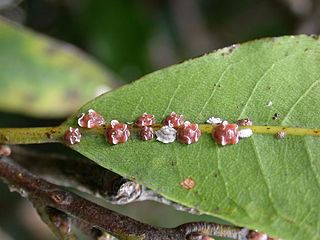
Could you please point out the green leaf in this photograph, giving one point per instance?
(43, 77)
(261, 183)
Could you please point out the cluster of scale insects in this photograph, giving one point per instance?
(174, 127)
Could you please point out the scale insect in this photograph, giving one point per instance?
(226, 134)
(280, 135)
(166, 134)
(145, 120)
(174, 120)
(72, 136)
(91, 119)
(146, 133)
(117, 133)
(189, 133)
(174, 127)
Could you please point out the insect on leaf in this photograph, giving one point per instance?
(261, 182)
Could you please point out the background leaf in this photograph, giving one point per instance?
(261, 183)
(47, 78)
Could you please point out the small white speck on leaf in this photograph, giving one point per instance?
(166, 134)
(269, 104)
(245, 133)
(214, 120)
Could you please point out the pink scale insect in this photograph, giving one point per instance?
(72, 136)
(174, 120)
(117, 133)
(229, 134)
(145, 120)
(226, 133)
(188, 133)
(91, 119)
(146, 133)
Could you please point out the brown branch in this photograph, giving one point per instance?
(58, 222)
(78, 173)
(86, 176)
(96, 218)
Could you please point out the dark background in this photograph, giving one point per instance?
(133, 38)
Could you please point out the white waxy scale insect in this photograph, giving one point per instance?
(214, 120)
(166, 134)
(245, 133)
(269, 104)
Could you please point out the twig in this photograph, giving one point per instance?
(43, 193)
(78, 173)
(86, 176)
(57, 221)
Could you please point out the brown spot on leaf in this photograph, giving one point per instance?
(188, 183)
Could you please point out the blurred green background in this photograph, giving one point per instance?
(131, 39)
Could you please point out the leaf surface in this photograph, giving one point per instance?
(43, 77)
(261, 183)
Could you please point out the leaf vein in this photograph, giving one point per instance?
(214, 89)
(313, 169)
(299, 225)
(171, 99)
(255, 88)
(285, 119)
(136, 108)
